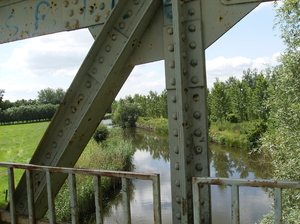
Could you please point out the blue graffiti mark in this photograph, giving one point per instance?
(37, 18)
(168, 13)
(84, 6)
(25, 8)
(113, 3)
(9, 26)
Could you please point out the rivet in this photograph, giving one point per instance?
(54, 144)
(192, 28)
(184, 54)
(67, 24)
(75, 22)
(36, 176)
(194, 62)
(122, 25)
(80, 97)
(184, 71)
(176, 149)
(75, 2)
(96, 18)
(177, 183)
(171, 47)
(60, 133)
(172, 64)
(196, 97)
(186, 107)
(188, 142)
(108, 48)
(136, 2)
(71, 13)
(101, 60)
(81, 10)
(67, 121)
(114, 37)
(170, 30)
(91, 8)
(175, 132)
(173, 81)
(173, 98)
(102, 6)
(94, 70)
(195, 79)
(197, 132)
(74, 109)
(178, 199)
(129, 13)
(176, 166)
(88, 84)
(66, 3)
(193, 45)
(202, 201)
(198, 149)
(48, 156)
(198, 167)
(178, 215)
(174, 115)
(191, 11)
(183, 37)
(188, 160)
(197, 115)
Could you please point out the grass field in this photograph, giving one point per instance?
(17, 144)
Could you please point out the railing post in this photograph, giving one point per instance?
(51, 205)
(30, 197)
(126, 201)
(156, 200)
(196, 201)
(11, 187)
(98, 199)
(73, 199)
(235, 205)
(278, 205)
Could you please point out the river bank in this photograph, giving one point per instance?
(224, 133)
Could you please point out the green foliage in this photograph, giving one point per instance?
(281, 139)
(254, 136)
(50, 96)
(101, 133)
(30, 113)
(116, 155)
(2, 91)
(159, 125)
(125, 112)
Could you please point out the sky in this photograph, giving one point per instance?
(33, 64)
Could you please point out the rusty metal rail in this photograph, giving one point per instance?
(235, 184)
(12, 217)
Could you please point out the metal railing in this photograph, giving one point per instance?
(12, 217)
(235, 184)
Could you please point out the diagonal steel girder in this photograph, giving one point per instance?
(99, 79)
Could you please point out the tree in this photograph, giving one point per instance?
(2, 91)
(281, 140)
(51, 96)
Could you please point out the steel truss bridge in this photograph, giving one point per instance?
(126, 33)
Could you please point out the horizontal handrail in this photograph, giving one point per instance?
(235, 184)
(125, 176)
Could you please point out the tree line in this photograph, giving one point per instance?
(40, 109)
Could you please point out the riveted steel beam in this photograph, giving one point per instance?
(187, 106)
(95, 86)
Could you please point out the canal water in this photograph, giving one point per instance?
(152, 156)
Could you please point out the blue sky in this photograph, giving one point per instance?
(52, 61)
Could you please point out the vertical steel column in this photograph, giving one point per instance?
(187, 107)
(98, 200)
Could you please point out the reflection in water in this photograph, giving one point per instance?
(152, 156)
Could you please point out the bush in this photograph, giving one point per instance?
(101, 133)
(254, 136)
